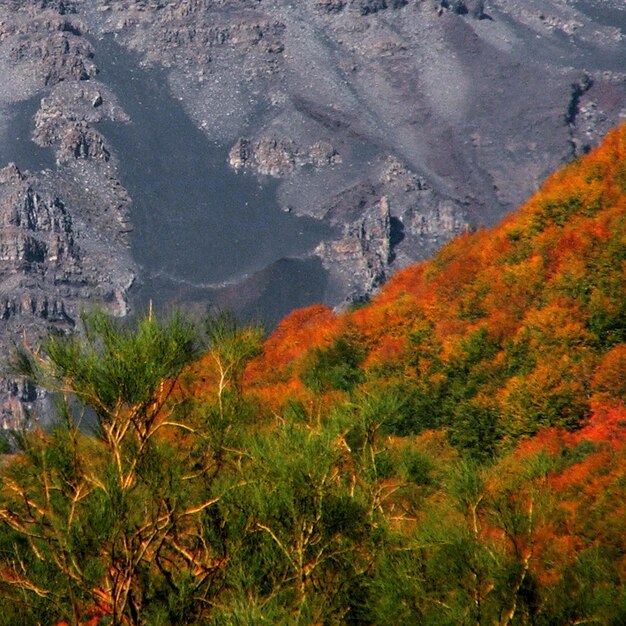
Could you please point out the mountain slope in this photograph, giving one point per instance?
(504, 331)
(451, 453)
(262, 154)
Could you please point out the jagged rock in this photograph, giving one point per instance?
(185, 25)
(11, 175)
(330, 6)
(60, 55)
(38, 256)
(33, 231)
(585, 115)
(274, 157)
(44, 281)
(65, 118)
(240, 153)
(360, 257)
(321, 154)
(62, 7)
(80, 141)
(38, 307)
(269, 156)
(56, 126)
(19, 399)
(475, 8)
(472, 8)
(366, 7)
(369, 7)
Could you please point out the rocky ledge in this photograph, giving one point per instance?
(46, 277)
(280, 157)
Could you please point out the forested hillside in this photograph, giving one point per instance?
(453, 452)
(505, 331)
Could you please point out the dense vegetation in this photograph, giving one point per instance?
(454, 452)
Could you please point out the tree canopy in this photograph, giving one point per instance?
(453, 452)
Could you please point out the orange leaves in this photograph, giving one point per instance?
(407, 281)
(556, 325)
(570, 243)
(546, 288)
(607, 424)
(388, 354)
(394, 318)
(578, 495)
(301, 330)
(553, 551)
(583, 187)
(610, 377)
(297, 333)
(605, 428)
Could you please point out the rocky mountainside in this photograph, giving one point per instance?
(46, 276)
(265, 154)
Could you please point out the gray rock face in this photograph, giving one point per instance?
(360, 258)
(396, 123)
(475, 8)
(35, 234)
(279, 157)
(46, 279)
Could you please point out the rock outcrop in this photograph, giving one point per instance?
(63, 241)
(36, 234)
(46, 279)
(360, 257)
(66, 118)
(474, 8)
(279, 157)
(40, 276)
(52, 48)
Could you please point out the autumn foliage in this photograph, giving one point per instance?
(453, 452)
(525, 322)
